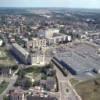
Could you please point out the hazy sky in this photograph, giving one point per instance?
(51, 3)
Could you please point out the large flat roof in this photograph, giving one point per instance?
(81, 57)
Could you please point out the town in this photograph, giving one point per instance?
(49, 54)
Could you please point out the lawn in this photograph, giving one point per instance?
(6, 58)
(34, 69)
(74, 81)
(31, 72)
(3, 86)
(89, 90)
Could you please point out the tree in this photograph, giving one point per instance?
(5, 97)
(21, 73)
(27, 84)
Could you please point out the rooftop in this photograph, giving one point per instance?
(24, 52)
(81, 57)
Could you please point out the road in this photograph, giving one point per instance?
(63, 85)
(11, 84)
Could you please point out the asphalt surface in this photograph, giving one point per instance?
(12, 81)
(64, 85)
(10, 86)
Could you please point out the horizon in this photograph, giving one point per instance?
(52, 8)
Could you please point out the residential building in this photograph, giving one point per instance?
(39, 43)
(16, 95)
(20, 53)
(47, 33)
(30, 97)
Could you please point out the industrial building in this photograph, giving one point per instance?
(80, 58)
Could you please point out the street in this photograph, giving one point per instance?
(64, 85)
(12, 81)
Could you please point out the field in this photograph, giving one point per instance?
(33, 72)
(5, 58)
(74, 81)
(3, 86)
(89, 90)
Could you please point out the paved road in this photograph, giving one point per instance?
(63, 85)
(11, 83)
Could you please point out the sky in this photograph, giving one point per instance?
(51, 3)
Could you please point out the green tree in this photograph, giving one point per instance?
(27, 84)
(21, 73)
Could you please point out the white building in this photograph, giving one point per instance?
(1, 42)
(60, 39)
(37, 59)
(27, 58)
(47, 33)
(39, 43)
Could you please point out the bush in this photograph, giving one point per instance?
(21, 73)
(5, 97)
(27, 84)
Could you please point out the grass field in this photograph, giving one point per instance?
(5, 58)
(3, 86)
(74, 81)
(89, 90)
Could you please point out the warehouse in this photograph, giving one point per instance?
(80, 58)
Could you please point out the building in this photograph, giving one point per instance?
(1, 42)
(61, 38)
(5, 71)
(39, 43)
(48, 33)
(26, 57)
(30, 97)
(20, 53)
(36, 43)
(16, 95)
(51, 84)
(37, 59)
(81, 58)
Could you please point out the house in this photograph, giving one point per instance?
(30, 97)
(48, 84)
(16, 94)
(51, 84)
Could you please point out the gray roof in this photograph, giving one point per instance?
(20, 49)
(81, 58)
(40, 98)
